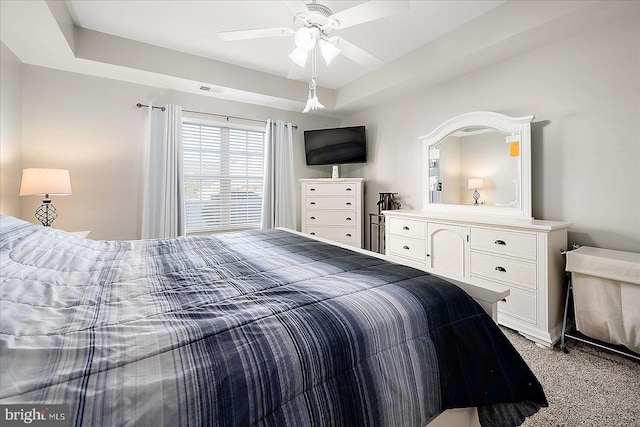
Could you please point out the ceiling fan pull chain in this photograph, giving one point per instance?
(314, 74)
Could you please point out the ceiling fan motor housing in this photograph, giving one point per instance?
(318, 17)
(319, 9)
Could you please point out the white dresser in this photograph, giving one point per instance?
(522, 254)
(332, 209)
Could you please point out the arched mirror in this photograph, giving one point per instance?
(479, 163)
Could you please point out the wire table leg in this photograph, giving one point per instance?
(563, 345)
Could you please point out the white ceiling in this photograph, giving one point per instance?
(191, 27)
(173, 44)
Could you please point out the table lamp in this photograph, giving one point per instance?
(45, 182)
(475, 183)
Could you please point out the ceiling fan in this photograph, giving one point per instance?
(314, 25)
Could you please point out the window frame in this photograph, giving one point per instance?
(227, 223)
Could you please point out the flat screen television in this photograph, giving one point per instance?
(335, 146)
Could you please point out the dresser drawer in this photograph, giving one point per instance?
(408, 248)
(330, 218)
(407, 227)
(504, 270)
(321, 203)
(510, 243)
(520, 305)
(339, 234)
(330, 188)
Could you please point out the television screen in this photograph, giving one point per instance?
(335, 146)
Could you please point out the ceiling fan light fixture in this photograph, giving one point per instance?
(329, 51)
(305, 38)
(299, 57)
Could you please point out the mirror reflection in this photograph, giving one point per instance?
(476, 165)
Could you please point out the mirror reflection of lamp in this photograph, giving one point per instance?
(475, 183)
(45, 182)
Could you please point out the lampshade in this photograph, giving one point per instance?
(45, 182)
(329, 51)
(306, 37)
(299, 57)
(475, 183)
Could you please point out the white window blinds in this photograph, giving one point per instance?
(222, 177)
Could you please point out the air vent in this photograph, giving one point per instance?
(205, 88)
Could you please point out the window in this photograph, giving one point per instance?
(222, 177)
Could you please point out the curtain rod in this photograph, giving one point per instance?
(139, 105)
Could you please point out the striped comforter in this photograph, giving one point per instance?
(263, 328)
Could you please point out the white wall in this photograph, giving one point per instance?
(92, 127)
(10, 131)
(584, 92)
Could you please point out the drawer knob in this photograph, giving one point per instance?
(348, 189)
(348, 234)
(313, 233)
(405, 247)
(312, 203)
(348, 203)
(405, 228)
(348, 219)
(502, 269)
(312, 189)
(500, 242)
(313, 217)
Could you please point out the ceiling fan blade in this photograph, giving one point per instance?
(357, 54)
(254, 34)
(368, 11)
(296, 6)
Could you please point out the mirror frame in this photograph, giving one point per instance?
(499, 122)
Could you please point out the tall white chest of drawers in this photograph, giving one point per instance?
(521, 254)
(332, 209)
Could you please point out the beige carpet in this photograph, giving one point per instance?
(587, 387)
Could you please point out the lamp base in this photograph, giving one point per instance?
(46, 213)
(476, 195)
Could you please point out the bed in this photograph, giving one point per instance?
(255, 328)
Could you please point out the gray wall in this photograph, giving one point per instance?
(92, 127)
(10, 131)
(584, 93)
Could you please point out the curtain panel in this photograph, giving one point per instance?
(163, 213)
(279, 190)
